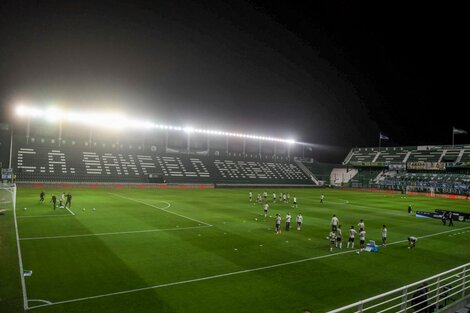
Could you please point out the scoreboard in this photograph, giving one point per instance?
(7, 174)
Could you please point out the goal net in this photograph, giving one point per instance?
(7, 198)
(429, 191)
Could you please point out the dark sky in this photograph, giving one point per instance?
(331, 72)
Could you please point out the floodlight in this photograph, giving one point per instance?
(114, 120)
(20, 110)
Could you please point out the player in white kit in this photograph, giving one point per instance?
(288, 218)
(334, 222)
(299, 220)
(362, 240)
(278, 224)
(265, 208)
(339, 237)
(361, 225)
(384, 235)
(352, 234)
(332, 238)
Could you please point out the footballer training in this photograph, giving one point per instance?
(196, 220)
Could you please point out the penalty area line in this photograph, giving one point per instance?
(228, 274)
(162, 209)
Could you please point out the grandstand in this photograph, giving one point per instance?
(445, 169)
(44, 152)
(73, 164)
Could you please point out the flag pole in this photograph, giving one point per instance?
(453, 134)
(380, 140)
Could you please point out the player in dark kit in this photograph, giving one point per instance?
(41, 197)
(410, 209)
(54, 201)
(444, 218)
(449, 217)
(69, 200)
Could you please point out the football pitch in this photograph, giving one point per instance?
(211, 250)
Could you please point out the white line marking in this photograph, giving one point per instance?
(226, 274)
(70, 210)
(50, 215)
(115, 233)
(20, 261)
(334, 202)
(40, 300)
(154, 206)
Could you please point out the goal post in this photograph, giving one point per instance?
(7, 198)
(413, 190)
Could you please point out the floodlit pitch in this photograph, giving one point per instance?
(214, 251)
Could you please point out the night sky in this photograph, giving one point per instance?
(332, 72)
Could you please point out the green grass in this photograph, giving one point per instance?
(214, 232)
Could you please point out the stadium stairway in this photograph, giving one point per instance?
(307, 172)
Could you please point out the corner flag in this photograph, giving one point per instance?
(383, 137)
(456, 131)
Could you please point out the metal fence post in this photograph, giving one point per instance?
(464, 279)
(360, 306)
(404, 300)
(438, 292)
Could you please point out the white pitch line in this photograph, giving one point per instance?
(227, 274)
(50, 215)
(20, 262)
(39, 300)
(115, 233)
(154, 206)
(70, 210)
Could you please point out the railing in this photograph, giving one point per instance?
(424, 296)
(307, 172)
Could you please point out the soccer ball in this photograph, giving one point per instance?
(327, 237)
(83, 209)
(256, 219)
(94, 209)
(25, 209)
